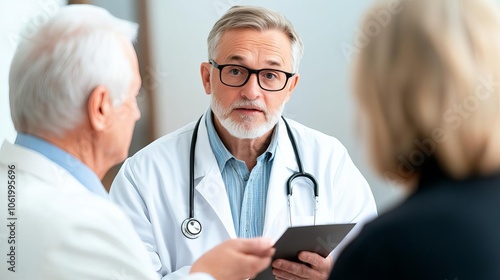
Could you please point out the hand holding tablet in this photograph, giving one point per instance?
(321, 239)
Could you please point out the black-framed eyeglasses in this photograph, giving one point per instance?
(234, 75)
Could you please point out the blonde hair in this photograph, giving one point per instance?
(427, 85)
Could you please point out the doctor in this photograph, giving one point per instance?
(242, 157)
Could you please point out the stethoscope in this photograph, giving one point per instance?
(191, 227)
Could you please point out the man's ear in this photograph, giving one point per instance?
(293, 83)
(99, 108)
(205, 76)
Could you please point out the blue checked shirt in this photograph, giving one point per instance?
(247, 191)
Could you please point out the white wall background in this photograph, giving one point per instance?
(322, 100)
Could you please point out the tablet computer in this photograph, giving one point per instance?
(321, 239)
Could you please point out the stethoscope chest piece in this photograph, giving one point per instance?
(191, 228)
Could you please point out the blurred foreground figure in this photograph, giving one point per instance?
(427, 88)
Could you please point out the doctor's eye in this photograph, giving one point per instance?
(235, 71)
(269, 75)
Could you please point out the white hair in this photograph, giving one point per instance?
(54, 71)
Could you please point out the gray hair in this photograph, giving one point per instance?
(54, 71)
(258, 18)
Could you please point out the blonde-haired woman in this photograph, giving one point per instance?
(428, 88)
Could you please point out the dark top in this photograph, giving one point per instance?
(446, 230)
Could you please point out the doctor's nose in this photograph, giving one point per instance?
(251, 89)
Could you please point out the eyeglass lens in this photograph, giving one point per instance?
(269, 79)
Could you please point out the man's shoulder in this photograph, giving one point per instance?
(55, 212)
(43, 205)
(48, 190)
(312, 136)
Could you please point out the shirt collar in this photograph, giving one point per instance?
(73, 165)
(220, 151)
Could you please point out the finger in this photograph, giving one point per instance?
(255, 246)
(292, 267)
(255, 264)
(313, 259)
(281, 274)
(280, 278)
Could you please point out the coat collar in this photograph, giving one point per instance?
(37, 165)
(62, 158)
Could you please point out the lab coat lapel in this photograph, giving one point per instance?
(284, 165)
(211, 186)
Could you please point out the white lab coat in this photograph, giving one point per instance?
(153, 188)
(62, 230)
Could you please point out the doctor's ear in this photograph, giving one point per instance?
(293, 82)
(99, 107)
(205, 71)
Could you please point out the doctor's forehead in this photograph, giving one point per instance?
(271, 48)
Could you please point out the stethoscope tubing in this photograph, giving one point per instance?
(301, 172)
(191, 168)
